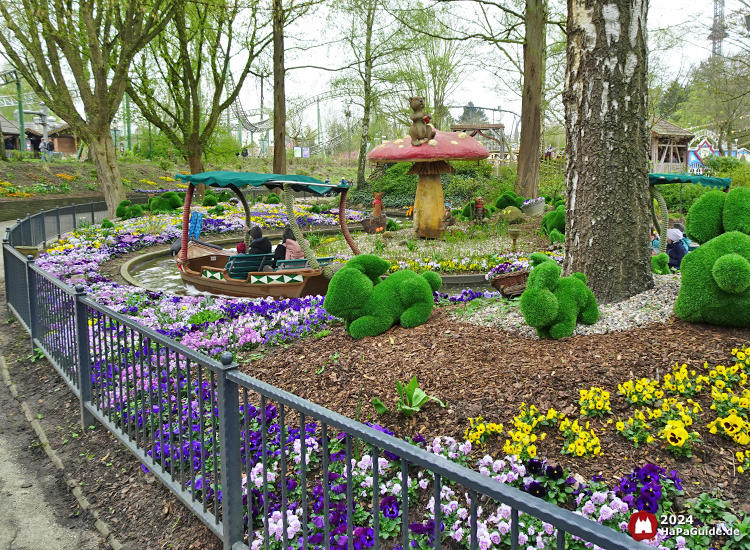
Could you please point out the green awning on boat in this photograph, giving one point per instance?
(243, 179)
(706, 181)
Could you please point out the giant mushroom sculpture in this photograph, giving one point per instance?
(430, 160)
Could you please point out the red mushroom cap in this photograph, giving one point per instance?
(445, 146)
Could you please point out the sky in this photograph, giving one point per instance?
(478, 87)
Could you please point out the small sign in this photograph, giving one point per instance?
(298, 152)
(305, 152)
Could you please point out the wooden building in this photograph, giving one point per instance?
(668, 152)
(65, 142)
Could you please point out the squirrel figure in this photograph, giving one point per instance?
(420, 131)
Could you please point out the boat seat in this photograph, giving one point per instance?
(239, 265)
(298, 264)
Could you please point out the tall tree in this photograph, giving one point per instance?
(279, 90)
(473, 115)
(607, 206)
(82, 51)
(183, 82)
(534, 44)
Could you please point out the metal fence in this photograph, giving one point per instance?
(258, 465)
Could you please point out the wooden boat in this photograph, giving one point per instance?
(218, 271)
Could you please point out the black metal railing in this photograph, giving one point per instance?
(258, 465)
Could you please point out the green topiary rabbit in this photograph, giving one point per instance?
(660, 264)
(554, 220)
(369, 305)
(553, 304)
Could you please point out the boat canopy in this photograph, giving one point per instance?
(705, 181)
(243, 179)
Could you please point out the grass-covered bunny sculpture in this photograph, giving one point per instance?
(715, 285)
(553, 304)
(369, 305)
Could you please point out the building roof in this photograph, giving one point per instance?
(663, 128)
(9, 127)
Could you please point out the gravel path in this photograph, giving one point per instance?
(653, 306)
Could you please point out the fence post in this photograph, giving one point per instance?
(59, 232)
(32, 297)
(27, 226)
(84, 361)
(74, 217)
(44, 229)
(231, 461)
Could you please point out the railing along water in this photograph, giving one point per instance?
(258, 465)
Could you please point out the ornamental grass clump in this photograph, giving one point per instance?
(643, 391)
(677, 439)
(480, 431)
(635, 429)
(594, 402)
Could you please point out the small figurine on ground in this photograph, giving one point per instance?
(448, 218)
(420, 131)
(377, 221)
(553, 304)
(370, 305)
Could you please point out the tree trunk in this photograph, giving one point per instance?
(105, 159)
(367, 97)
(531, 101)
(607, 206)
(279, 95)
(3, 154)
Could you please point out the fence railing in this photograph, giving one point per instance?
(258, 465)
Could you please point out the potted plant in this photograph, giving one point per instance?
(533, 207)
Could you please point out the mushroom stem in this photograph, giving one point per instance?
(429, 207)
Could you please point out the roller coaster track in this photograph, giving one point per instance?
(12, 100)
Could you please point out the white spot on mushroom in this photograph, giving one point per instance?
(454, 142)
(433, 142)
(400, 146)
(462, 134)
(399, 141)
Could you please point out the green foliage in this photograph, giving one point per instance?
(182, 195)
(315, 209)
(706, 508)
(106, 224)
(411, 398)
(122, 209)
(690, 193)
(559, 203)
(519, 202)
(224, 196)
(506, 199)
(512, 214)
(217, 210)
(466, 210)
(396, 182)
(166, 165)
(209, 200)
(554, 220)
(392, 225)
(370, 306)
(553, 304)
(722, 166)
(159, 204)
(741, 539)
(173, 199)
(556, 236)
(704, 220)
(273, 198)
(715, 284)
(660, 264)
(135, 211)
(736, 216)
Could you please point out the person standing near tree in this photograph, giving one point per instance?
(50, 149)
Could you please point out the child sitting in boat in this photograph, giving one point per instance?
(289, 249)
(241, 248)
(259, 244)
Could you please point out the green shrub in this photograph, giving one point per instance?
(511, 214)
(209, 200)
(554, 220)
(106, 224)
(457, 212)
(370, 306)
(741, 175)
(505, 200)
(273, 198)
(704, 220)
(392, 225)
(466, 210)
(122, 209)
(736, 216)
(556, 236)
(553, 304)
(224, 196)
(690, 193)
(715, 282)
(135, 211)
(315, 209)
(159, 204)
(722, 166)
(217, 210)
(660, 264)
(396, 182)
(182, 195)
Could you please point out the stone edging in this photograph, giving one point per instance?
(72, 484)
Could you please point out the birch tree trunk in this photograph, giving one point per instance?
(366, 96)
(607, 206)
(531, 101)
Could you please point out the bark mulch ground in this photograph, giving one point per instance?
(141, 513)
(481, 371)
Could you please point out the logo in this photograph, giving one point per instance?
(642, 525)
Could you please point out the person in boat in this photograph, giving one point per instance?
(259, 244)
(241, 248)
(675, 248)
(289, 249)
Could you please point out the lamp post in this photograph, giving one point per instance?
(42, 114)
